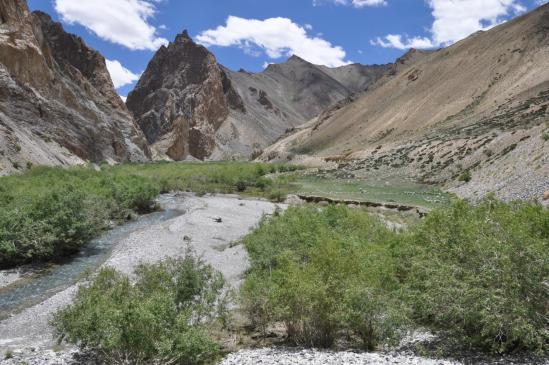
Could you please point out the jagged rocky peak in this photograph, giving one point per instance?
(183, 37)
(57, 101)
(182, 98)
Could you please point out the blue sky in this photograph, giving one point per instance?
(251, 33)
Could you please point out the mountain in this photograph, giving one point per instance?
(58, 105)
(189, 106)
(478, 107)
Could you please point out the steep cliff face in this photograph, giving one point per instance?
(189, 105)
(182, 99)
(57, 102)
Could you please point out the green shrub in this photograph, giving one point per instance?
(8, 355)
(161, 318)
(465, 176)
(480, 273)
(277, 196)
(263, 183)
(58, 222)
(476, 273)
(321, 273)
(241, 186)
(545, 136)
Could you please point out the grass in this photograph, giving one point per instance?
(51, 212)
(364, 190)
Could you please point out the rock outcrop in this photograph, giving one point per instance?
(58, 105)
(190, 106)
(182, 98)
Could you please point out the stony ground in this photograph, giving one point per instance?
(286, 356)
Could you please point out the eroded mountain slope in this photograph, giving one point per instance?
(58, 105)
(479, 108)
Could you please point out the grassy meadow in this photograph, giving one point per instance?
(412, 194)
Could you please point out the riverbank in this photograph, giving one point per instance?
(211, 225)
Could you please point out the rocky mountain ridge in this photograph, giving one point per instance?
(58, 105)
(189, 106)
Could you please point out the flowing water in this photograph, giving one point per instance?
(51, 280)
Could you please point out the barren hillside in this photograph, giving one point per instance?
(478, 108)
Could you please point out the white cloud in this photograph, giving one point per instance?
(277, 37)
(120, 75)
(455, 20)
(124, 22)
(124, 98)
(355, 3)
(542, 2)
(397, 41)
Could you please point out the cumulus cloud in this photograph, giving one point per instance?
(120, 75)
(276, 37)
(355, 3)
(124, 22)
(455, 20)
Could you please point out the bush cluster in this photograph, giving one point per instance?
(49, 212)
(322, 273)
(160, 318)
(480, 273)
(476, 273)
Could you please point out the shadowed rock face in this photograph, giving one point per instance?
(57, 102)
(182, 99)
(189, 105)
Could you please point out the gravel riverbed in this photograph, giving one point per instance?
(211, 224)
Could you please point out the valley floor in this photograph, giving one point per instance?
(213, 226)
(210, 224)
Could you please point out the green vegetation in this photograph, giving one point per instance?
(161, 318)
(8, 355)
(465, 176)
(545, 136)
(475, 273)
(480, 273)
(49, 212)
(372, 191)
(321, 273)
